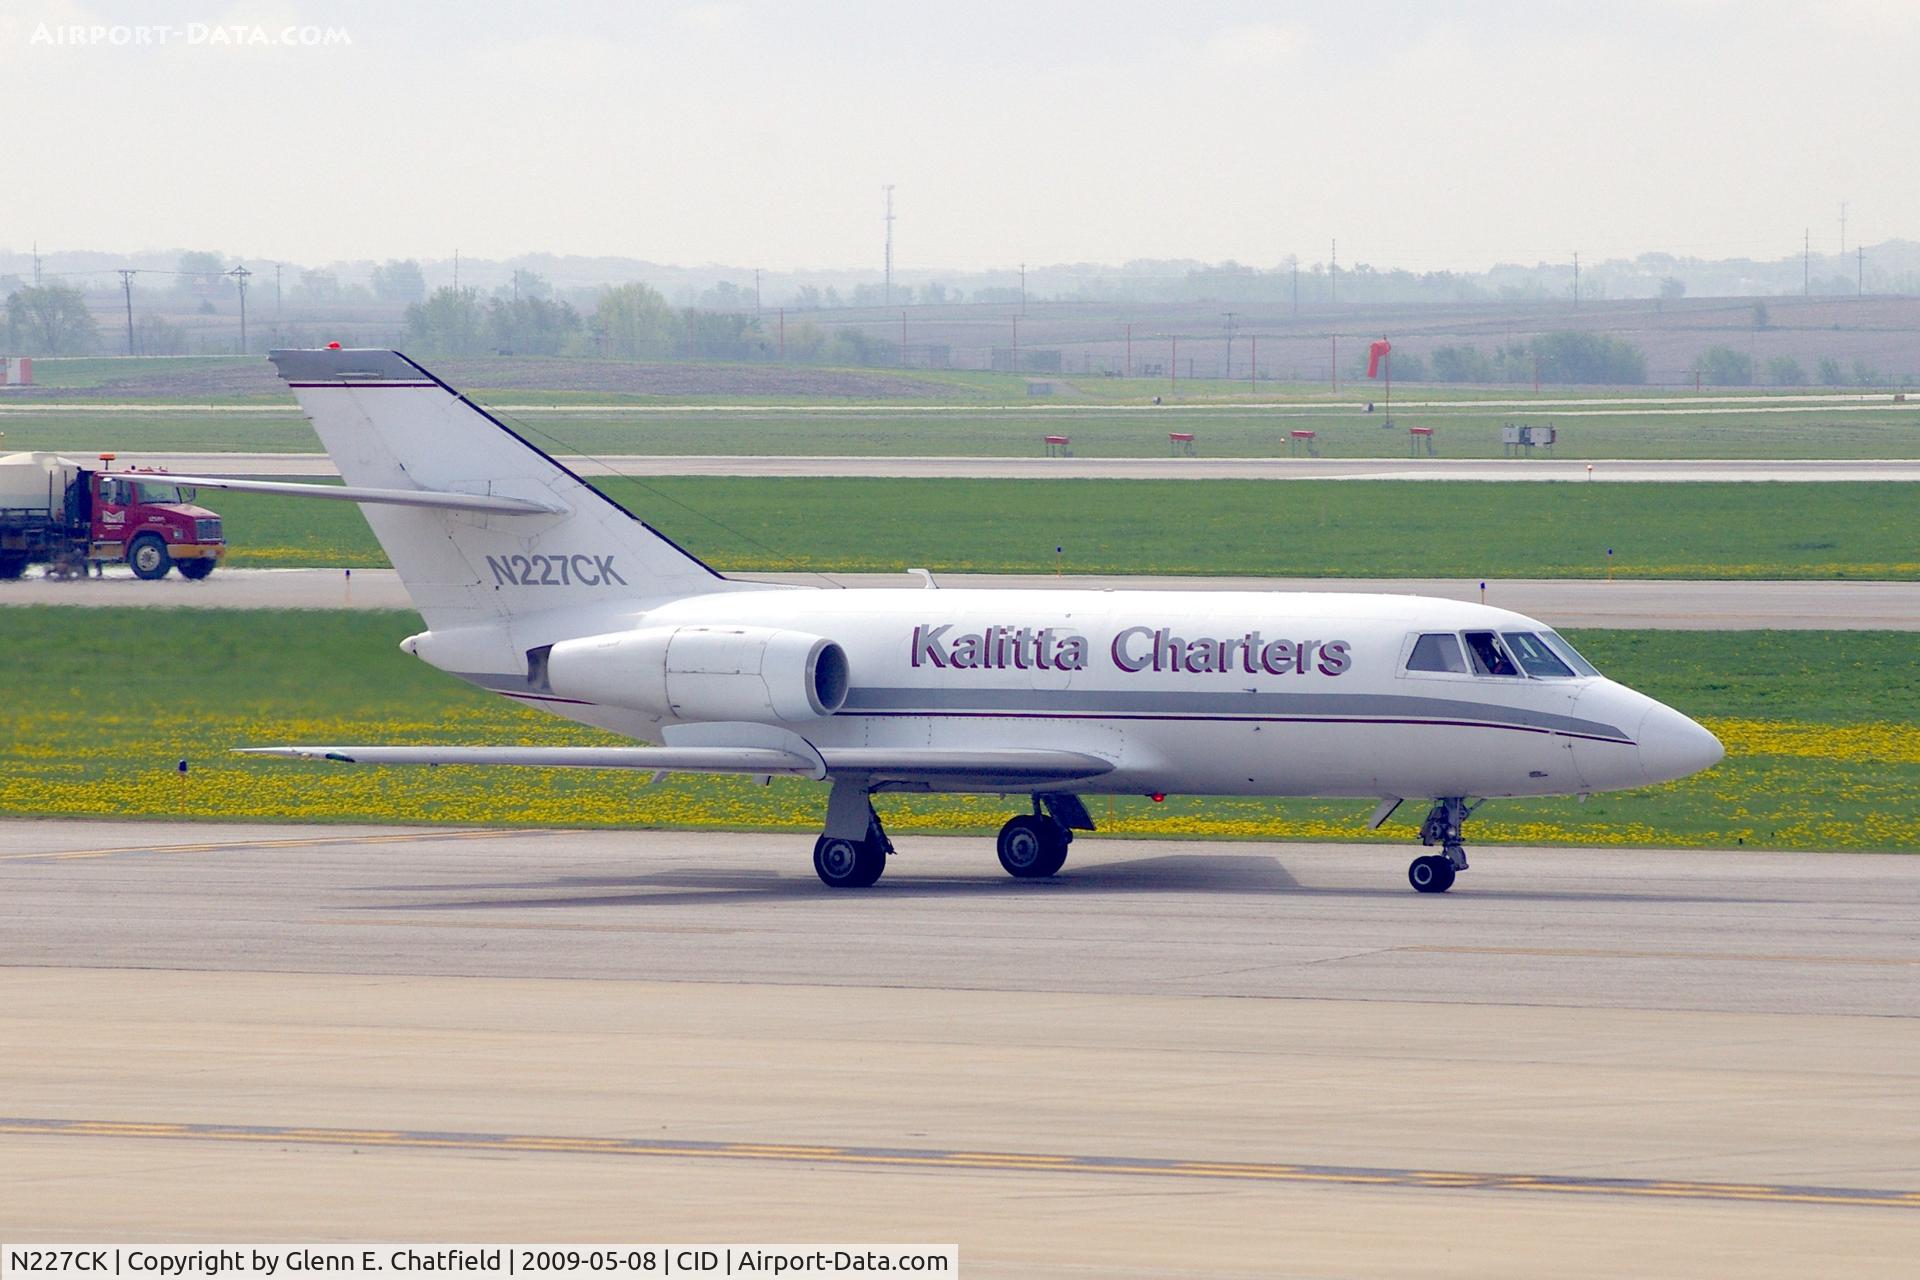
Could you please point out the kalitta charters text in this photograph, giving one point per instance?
(1135, 649)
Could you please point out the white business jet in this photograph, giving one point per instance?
(538, 587)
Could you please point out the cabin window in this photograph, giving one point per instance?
(1437, 651)
(1489, 658)
(1535, 658)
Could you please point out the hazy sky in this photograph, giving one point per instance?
(1426, 135)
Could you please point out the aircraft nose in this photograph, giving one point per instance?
(1672, 746)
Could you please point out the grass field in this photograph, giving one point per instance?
(1097, 431)
(1821, 749)
(1327, 528)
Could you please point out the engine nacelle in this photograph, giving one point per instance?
(702, 673)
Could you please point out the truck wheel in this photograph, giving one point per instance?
(11, 567)
(195, 569)
(149, 558)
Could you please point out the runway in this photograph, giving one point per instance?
(1624, 603)
(1209, 1059)
(1638, 470)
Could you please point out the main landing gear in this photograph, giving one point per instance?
(1434, 873)
(842, 863)
(852, 853)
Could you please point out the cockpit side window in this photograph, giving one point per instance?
(1535, 658)
(1437, 651)
(1489, 658)
(1568, 654)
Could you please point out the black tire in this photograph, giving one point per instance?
(148, 556)
(1032, 847)
(848, 864)
(195, 570)
(12, 565)
(1431, 874)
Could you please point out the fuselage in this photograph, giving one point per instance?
(1206, 693)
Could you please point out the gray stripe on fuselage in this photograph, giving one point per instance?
(1180, 703)
(1173, 703)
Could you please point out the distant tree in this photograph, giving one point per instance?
(399, 280)
(1785, 371)
(448, 323)
(805, 342)
(937, 294)
(806, 298)
(1673, 287)
(726, 296)
(52, 320)
(1864, 374)
(1461, 364)
(200, 274)
(856, 346)
(633, 322)
(1724, 367)
(525, 284)
(1830, 375)
(1761, 319)
(877, 295)
(1574, 355)
(531, 326)
(721, 335)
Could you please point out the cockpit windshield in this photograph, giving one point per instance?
(1540, 655)
(1535, 658)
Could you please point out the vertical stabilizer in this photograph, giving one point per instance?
(389, 424)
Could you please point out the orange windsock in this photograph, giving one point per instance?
(1376, 352)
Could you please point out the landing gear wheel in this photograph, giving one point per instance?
(194, 570)
(149, 558)
(1431, 873)
(848, 864)
(1033, 847)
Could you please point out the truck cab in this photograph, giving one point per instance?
(153, 524)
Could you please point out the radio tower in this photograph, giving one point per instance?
(889, 292)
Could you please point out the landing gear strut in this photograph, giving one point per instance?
(1434, 873)
(841, 858)
(1033, 845)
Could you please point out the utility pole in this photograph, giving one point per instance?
(240, 274)
(1843, 228)
(126, 287)
(756, 292)
(1576, 279)
(889, 291)
(36, 264)
(1230, 346)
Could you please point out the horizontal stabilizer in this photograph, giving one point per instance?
(1013, 768)
(493, 503)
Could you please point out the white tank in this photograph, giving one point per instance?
(36, 481)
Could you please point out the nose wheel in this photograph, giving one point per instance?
(1431, 874)
(1435, 872)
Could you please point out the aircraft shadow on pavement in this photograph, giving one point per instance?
(1223, 873)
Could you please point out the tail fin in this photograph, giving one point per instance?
(389, 424)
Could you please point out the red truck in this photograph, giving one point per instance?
(56, 512)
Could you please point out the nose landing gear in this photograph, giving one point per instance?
(1434, 873)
